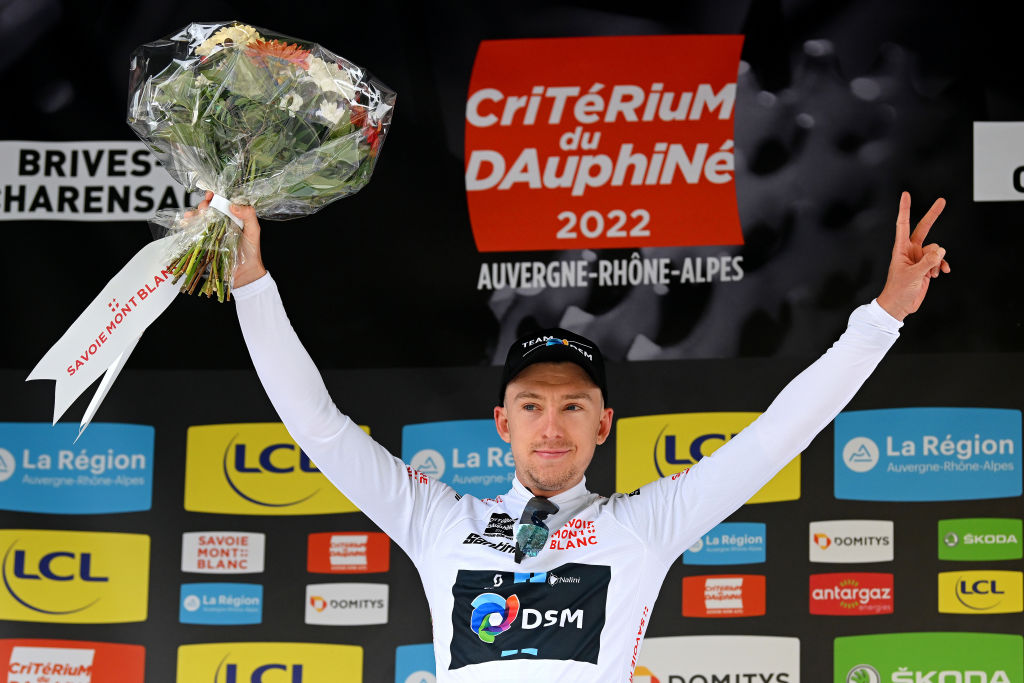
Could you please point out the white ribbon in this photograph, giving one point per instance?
(104, 335)
(224, 206)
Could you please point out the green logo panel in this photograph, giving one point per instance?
(912, 657)
(980, 539)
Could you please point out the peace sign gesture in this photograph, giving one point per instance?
(913, 264)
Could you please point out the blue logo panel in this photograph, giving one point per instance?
(221, 603)
(730, 543)
(415, 664)
(42, 469)
(928, 454)
(468, 455)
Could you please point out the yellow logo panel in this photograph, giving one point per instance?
(73, 577)
(981, 592)
(270, 663)
(255, 468)
(654, 446)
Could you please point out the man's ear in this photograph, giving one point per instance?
(604, 428)
(501, 424)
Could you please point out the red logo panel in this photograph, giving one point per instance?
(851, 594)
(71, 661)
(724, 595)
(602, 142)
(349, 552)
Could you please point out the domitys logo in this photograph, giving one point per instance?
(492, 615)
(602, 142)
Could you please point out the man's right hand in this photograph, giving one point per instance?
(249, 264)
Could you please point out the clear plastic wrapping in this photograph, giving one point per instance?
(262, 119)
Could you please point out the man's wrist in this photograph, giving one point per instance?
(885, 301)
(249, 275)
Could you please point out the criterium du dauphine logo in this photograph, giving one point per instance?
(863, 673)
(493, 615)
(860, 454)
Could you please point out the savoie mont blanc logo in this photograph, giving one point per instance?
(255, 469)
(928, 454)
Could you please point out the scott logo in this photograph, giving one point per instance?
(492, 615)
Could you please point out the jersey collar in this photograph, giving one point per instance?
(577, 491)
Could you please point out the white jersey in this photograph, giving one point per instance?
(577, 612)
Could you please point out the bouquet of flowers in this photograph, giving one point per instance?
(259, 118)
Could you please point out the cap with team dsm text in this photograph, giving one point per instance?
(553, 345)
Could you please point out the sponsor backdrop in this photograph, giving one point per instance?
(706, 188)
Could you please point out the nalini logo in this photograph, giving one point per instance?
(492, 615)
(254, 469)
(860, 454)
(677, 442)
(74, 577)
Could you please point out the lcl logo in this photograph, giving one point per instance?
(693, 454)
(46, 569)
(265, 464)
(257, 675)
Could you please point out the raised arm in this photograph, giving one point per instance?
(405, 504)
(674, 512)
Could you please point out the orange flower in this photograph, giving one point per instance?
(263, 51)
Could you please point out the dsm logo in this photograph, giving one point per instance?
(270, 663)
(73, 577)
(655, 446)
(254, 469)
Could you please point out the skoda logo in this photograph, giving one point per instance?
(6, 464)
(951, 539)
(863, 673)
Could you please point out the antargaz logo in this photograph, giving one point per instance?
(677, 442)
(492, 615)
(73, 577)
(254, 469)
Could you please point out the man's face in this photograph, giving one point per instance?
(554, 417)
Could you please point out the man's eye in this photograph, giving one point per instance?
(529, 406)
(574, 406)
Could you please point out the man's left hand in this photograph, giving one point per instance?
(913, 264)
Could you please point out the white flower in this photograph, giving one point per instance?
(238, 35)
(291, 102)
(330, 112)
(329, 78)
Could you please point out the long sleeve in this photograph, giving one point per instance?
(402, 502)
(673, 512)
